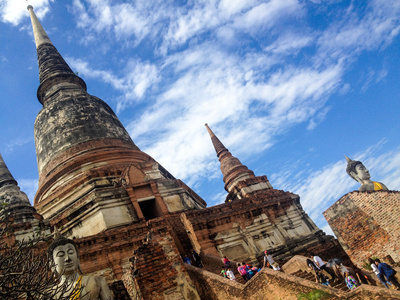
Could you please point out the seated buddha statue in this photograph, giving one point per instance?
(360, 173)
(65, 256)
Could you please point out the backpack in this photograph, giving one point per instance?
(242, 270)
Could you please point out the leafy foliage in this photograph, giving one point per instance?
(313, 295)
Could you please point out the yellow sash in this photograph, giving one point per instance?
(377, 186)
(77, 289)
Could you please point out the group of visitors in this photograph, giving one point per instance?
(384, 272)
(317, 266)
(352, 278)
(247, 271)
(196, 259)
(319, 277)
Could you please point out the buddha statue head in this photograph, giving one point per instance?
(360, 173)
(64, 253)
(357, 170)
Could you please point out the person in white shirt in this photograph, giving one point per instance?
(380, 276)
(230, 274)
(320, 264)
(270, 260)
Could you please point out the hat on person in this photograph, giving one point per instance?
(265, 251)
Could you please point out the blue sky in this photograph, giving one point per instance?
(289, 87)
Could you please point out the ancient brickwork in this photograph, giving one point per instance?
(241, 230)
(367, 224)
(131, 219)
(245, 188)
(159, 269)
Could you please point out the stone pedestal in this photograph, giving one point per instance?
(367, 224)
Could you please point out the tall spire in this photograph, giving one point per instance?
(16, 201)
(5, 175)
(71, 121)
(231, 167)
(218, 146)
(53, 70)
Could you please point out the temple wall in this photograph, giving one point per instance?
(367, 224)
(242, 229)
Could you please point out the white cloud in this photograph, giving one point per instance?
(289, 44)
(266, 14)
(243, 93)
(377, 27)
(136, 79)
(218, 198)
(222, 89)
(12, 11)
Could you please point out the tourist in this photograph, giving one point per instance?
(314, 268)
(341, 270)
(269, 260)
(242, 271)
(380, 276)
(230, 274)
(223, 272)
(197, 259)
(187, 260)
(226, 261)
(319, 277)
(322, 279)
(320, 264)
(249, 271)
(350, 281)
(362, 279)
(388, 271)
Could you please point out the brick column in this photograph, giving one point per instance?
(134, 202)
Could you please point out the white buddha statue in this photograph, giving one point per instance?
(360, 173)
(65, 255)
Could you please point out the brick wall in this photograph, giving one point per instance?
(159, 269)
(236, 220)
(367, 224)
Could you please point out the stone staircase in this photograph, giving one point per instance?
(339, 284)
(217, 270)
(285, 285)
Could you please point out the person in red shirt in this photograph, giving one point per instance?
(226, 262)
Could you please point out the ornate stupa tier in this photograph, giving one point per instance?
(72, 122)
(239, 180)
(231, 167)
(53, 70)
(16, 202)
